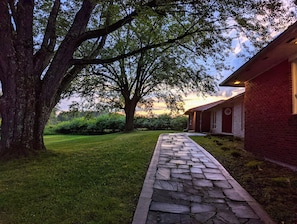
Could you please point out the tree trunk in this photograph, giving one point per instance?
(31, 82)
(24, 113)
(130, 106)
(22, 120)
(22, 128)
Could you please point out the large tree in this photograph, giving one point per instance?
(39, 41)
(166, 73)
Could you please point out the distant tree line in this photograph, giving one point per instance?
(94, 123)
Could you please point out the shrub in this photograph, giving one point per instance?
(142, 123)
(179, 123)
(99, 125)
(63, 127)
(107, 123)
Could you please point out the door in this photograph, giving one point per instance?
(227, 119)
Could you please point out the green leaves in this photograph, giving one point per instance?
(177, 46)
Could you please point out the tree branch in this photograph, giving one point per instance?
(108, 29)
(43, 56)
(49, 38)
(6, 40)
(105, 31)
(122, 56)
(60, 64)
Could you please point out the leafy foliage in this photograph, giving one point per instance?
(106, 123)
(110, 123)
(168, 51)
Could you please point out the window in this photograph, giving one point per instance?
(190, 119)
(294, 86)
(214, 119)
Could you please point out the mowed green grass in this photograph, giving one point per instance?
(80, 179)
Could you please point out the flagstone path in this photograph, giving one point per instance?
(186, 185)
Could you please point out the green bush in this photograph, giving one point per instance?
(162, 122)
(142, 123)
(100, 125)
(108, 123)
(179, 123)
(63, 127)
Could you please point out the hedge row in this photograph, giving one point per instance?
(162, 122)
(109, 123)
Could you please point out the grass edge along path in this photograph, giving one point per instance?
(273, 186)
(80, 179)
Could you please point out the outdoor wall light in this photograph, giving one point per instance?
(236, 82)
(293, 40)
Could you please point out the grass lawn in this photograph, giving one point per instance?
(80, 179)
(274, 187)
(97, 179)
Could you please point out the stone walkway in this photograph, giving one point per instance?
(185, 184)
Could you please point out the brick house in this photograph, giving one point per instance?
(228, 117)
(220, 117)
(270, 101)
(199, 119)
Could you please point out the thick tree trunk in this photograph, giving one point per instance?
(22, 128)
(130, 106)
(23, 113)
(22, 120)
(31, 82)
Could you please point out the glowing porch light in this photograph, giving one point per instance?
(237, 82)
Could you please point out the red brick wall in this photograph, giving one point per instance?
(270, 127)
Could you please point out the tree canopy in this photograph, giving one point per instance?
(165, 73)
(42, 46)
(182, 48)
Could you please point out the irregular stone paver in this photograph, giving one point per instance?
(195, 170)
(222, 184)
(171, 208)
(199, 208)
(211, 170)
(181, 176)
(227, 217)
(180, 170)
(233, 195)
(216, 193)
(204, 216)
(163, 174)
(203, 183)
(185, 184)
(168, 185)
(214, 176)
(242, 210)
